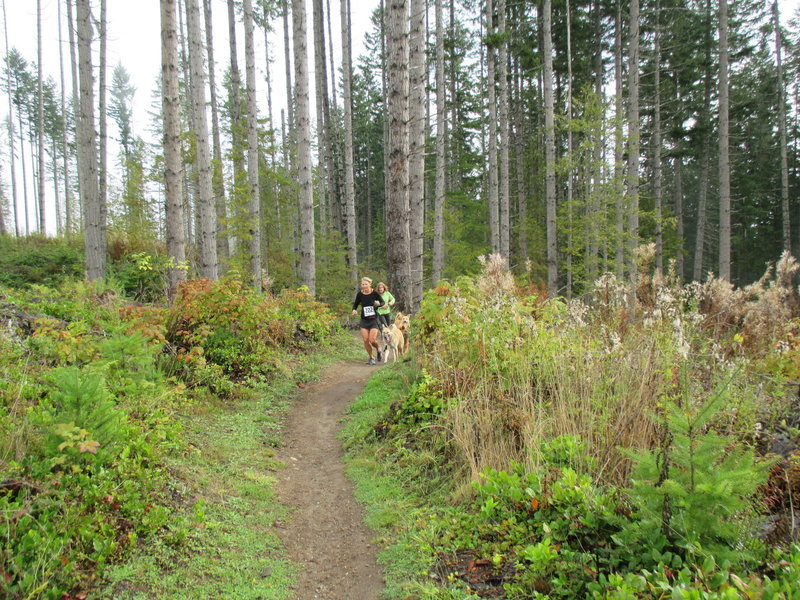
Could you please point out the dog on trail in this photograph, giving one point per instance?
(403, 323)
(392, 340)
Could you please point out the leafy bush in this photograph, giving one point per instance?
(80, 466)
(222, 331)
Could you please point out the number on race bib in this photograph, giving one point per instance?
(369, 311)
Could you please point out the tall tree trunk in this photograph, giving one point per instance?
(40, 118)
(191, 182)
(619, 182)
(207, 234)
(308, 275)
(76, 109)
(217, 178)
(416, 150)
(3, 226)
(335, 166)
(505, 142)
(492, 184)
(657, 191)
(397, 218)
(594, 212)
(787, 231)
(240, 183)
(26, 212)
(571, 243)
(170, 103)
(252, 147)
(520, 145)
(56, 182)
(288, 64)
(633, 138)
(705, 152)
(68, 226)
(724, 158)
(11, 153)
(550, 154)
(441, 117)
(321, 88)
(102, 168)
(349, 179)
(93, 231)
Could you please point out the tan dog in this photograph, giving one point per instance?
(403, 323)
(393, 340)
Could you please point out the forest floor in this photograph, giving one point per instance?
(325, 533)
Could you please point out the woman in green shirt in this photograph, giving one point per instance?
(388, 301)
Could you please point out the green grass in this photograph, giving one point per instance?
(396, 484)
(222, 540)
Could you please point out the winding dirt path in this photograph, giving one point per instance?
(326, 534)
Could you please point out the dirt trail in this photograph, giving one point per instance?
(326, 534)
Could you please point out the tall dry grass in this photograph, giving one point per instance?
(523, 371)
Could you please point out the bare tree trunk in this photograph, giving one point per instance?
(492, 184)
(505, 142)
(550, 154)
(441, 117)
(191, 182)
(416, 151)
(288, 63)
(217, 178)
(520, 145)
(570, 159)
(93, 231)
(619, 254)
(303, 131)
(68, 226)
(273, 159)
(26, 212)
(787, 231)
(11, 136)
(240, 182)
(56, 192)
(633, 138)
(3, 227)
(252, 147)
(724, 158)
(102, 172)
(397, 218)
(40, 118)
(705, 152)
(678, 207)
(73, 49)
(594, 211)
(657, 191)
(349, 180)
(321, 88)
(335, 149)
(170, 99)
(207, 234)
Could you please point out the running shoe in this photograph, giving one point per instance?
(380, 356)
(372, 361)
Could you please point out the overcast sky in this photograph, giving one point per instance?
(134, 41)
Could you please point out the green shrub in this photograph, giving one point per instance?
(39, 260)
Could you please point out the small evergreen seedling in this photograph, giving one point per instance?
(692, 493)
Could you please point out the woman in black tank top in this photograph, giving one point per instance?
(368, 300)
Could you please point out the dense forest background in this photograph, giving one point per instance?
(562, 135)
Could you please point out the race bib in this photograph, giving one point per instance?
(369, 311)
